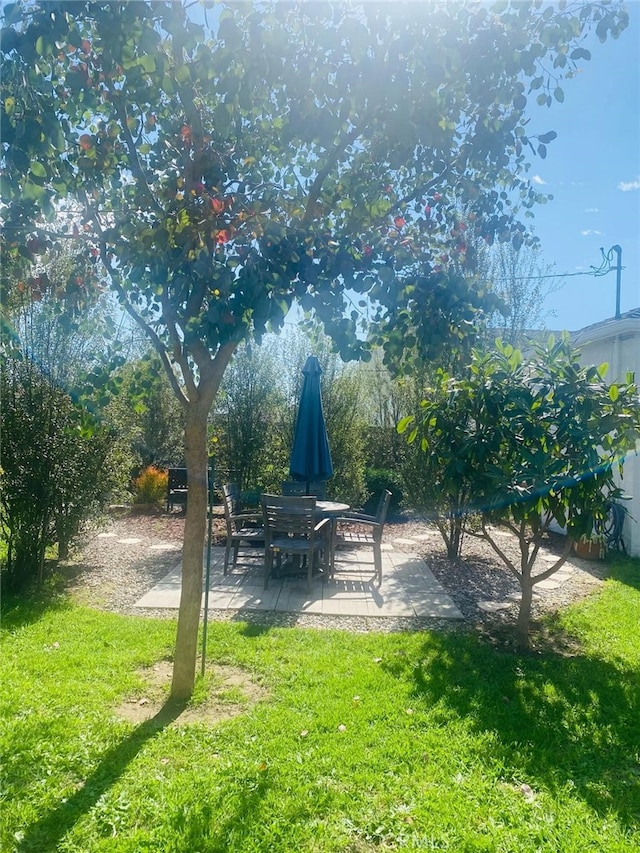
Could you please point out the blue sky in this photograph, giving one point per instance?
(593, 171)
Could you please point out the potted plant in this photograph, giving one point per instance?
(592, 547)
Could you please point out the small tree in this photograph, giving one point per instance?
(245, 418)
(54, 465)
(436, 472)
(525, 443)
(145, 414)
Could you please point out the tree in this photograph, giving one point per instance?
(144, 412)
(524, 443)
(245, 419)
(282, 152)
(522, 282)
(57, 459)
(54, 467)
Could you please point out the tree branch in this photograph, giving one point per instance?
(500, 552)
(134, 162)
(558, 564)
(157, 344)
(330, 163)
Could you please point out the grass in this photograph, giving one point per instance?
(420, 741)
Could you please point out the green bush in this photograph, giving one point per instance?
(378, 479)
(55, 469)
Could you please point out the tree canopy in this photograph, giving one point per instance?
(222, 164)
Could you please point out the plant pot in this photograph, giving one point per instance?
(589, 549)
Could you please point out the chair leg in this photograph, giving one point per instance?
(310, 563)
(227, 551)
(377, 558)
(331, 555)
(236, 548)
(268, 563)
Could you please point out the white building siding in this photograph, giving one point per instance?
(617, 342)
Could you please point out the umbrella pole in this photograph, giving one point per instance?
(208, 573)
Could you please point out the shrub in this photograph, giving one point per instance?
(150, 486)
(378, 479)
(55, 469)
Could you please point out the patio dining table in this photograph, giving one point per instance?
(331, 509)
(325, 509)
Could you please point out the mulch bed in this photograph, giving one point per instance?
(127, 554)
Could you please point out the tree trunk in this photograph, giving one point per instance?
(184, 662)
(524, 614)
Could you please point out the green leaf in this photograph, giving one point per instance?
(558, 95)
(38, 170)
(580, 53)
(404, 423)
(148, 63)
(614, 393)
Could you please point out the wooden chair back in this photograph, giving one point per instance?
(318, 488)
(289, 515)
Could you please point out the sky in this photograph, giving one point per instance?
(593, 171)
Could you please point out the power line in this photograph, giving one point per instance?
(594, 272)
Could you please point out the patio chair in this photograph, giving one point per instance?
(244, 529)
(292, 527)
(358, 528)
(176, 488)
(297, 487)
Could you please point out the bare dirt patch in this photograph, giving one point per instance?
(230, 692)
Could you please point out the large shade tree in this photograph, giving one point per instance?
(223, 160)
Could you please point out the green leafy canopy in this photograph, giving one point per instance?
(223, 163)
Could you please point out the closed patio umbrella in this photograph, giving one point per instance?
(310, 454)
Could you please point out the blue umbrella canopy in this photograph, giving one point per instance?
(310, 454)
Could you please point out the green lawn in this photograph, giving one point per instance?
(371, 742)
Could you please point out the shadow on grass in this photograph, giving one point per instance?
(201, 827)
(49, 830)
(566, 722)
(624, 569)
(29, 605)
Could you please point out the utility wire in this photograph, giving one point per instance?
(596, 273)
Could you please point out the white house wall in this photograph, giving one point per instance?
(617, 342)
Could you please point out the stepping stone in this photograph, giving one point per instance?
(516, 596)
(106, 535)
(132, 541)
(164, 546)
(548, 584)
(494, 606)
(409, 541)
(562, 576)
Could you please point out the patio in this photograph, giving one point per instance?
(408, 588)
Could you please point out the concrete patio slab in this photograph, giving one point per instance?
(408, 588)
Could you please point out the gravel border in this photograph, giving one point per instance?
(111, 573)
